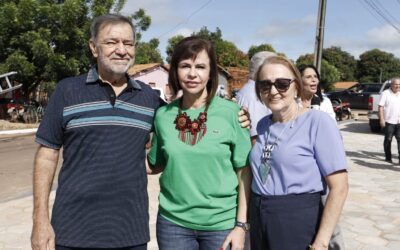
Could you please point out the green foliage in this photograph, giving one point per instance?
(172, 42)
(374, 63)
(148, 52)
(228, 55)
(45, 42)
(262, 47)
(345, 63)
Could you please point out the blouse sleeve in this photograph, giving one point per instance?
(329, 149)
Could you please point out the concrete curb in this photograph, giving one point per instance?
(18, 131)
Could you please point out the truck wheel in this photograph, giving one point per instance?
(374, 126)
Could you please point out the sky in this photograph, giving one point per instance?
(288, 25)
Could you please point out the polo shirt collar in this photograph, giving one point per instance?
(93, 77)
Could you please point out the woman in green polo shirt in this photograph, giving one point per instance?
(202, 150)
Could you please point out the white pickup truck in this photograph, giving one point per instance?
(373, 108)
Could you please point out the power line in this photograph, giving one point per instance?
(381, 14)
(370, 11)
(387, 12)
(187, 19)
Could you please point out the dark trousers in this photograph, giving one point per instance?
(138, 247)
(287, 222)
(390, 131)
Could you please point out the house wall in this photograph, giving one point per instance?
(159, 76)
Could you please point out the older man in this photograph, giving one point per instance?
(246, 96)
(102, 120)
(389, 117)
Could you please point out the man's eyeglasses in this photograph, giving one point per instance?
(281, 84)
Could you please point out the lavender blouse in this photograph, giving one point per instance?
(305, 153)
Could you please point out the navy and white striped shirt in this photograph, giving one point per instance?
(101, 199)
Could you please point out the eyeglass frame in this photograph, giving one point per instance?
(262, 83)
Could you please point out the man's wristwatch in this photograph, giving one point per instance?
(244, 225)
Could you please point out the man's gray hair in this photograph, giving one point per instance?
(106, 19)
(394, 79)
(256, 60)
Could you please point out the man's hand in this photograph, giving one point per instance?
(244, 118)
(43, 237)
(382, 123)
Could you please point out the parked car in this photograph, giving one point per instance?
(357, 95)
(373, 108)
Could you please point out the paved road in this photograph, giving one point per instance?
(16, 167)
(370, 221)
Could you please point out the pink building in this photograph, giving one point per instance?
(153, 74)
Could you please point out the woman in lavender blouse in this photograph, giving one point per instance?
(298, 153)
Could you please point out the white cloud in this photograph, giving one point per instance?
(161, 11)
(184, 32)
(385, 38)
(287, 28)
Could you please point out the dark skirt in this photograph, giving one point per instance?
(284, 222)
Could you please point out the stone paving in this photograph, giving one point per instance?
(370, 221)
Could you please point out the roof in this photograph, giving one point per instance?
(143, 68)
(239, 76)
(344, 85)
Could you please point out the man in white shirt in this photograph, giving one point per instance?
(389, 117)
(246, 97)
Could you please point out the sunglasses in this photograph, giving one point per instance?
(281, 84)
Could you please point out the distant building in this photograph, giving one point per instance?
(343, 85)
(153, 74)
(239, 77)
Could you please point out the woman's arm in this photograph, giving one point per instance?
(151, 169)
(338, 189)
(237, 236)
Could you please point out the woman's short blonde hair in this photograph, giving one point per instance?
(287, 63)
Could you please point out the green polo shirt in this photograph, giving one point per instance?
(198, 188)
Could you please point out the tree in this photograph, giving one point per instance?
(228, 55)
(45, 42)
(329, 73)
(262, 47)
(172, 42)
(375, 65)
(148, 52)
(345, 63)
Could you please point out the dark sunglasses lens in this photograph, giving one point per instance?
(265, 85)
(282, 84)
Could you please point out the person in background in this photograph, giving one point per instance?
(246, 96)
(389, 117)
(202, 151)
(298, 152)
(312, 95)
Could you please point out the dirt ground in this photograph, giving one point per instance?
(6, 125)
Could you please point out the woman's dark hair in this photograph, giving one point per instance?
(189, 48)
(302, 68)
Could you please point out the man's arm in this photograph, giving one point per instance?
(45, 166)
(381, 116)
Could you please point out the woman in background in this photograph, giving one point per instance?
(312, 95)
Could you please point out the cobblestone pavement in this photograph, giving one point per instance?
(370, 221)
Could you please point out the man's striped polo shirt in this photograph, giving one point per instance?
(101, 199)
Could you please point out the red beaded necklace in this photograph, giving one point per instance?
(191, 132)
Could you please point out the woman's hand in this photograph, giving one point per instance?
(316, 246)
(235, 238)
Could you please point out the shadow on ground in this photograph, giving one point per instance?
(361, 127)
(363, 158)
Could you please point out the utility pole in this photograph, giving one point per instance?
(319, 39)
